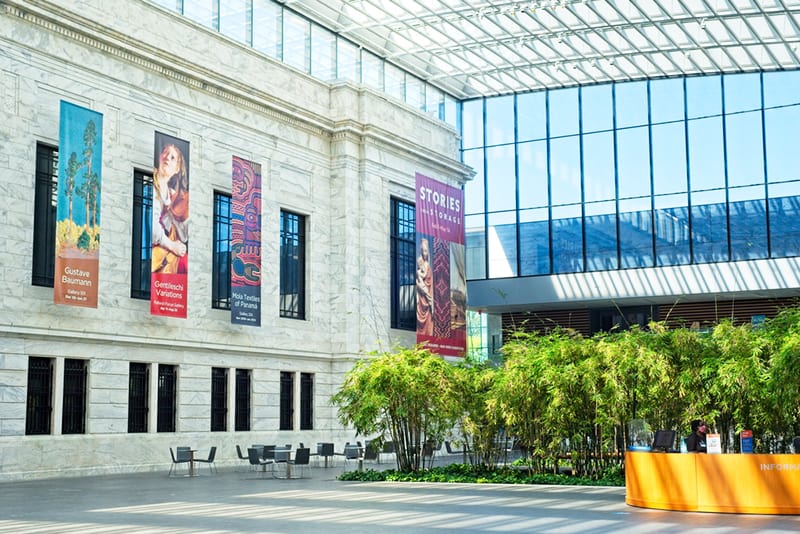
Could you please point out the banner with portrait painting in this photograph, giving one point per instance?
(441, 280)
(77, 254)
(170, 228)
(246, 243)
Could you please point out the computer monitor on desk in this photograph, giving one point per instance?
(664, 440)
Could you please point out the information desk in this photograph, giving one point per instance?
(734, 483)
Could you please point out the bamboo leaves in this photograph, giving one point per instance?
(566, 398)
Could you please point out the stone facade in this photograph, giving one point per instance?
(335, 153)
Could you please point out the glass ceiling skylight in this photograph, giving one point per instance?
(473, 48)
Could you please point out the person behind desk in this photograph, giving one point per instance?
(696, 441)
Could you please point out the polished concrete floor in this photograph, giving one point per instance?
(241, 501)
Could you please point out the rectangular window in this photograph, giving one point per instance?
(242, 400)
(221, 271)
(287, 401)
(394, 81)
(619, 319)
(44, 215)
(323, 53)
(306, 401)
(293, 265)
(141, 235)
(372, 70)
(167, 398)
(138, 382)
(267, 27)
(40, 395)
(296, 41)
(403, 244)
(219, 399)
(348, 62)
(235, 20)
(73, 419)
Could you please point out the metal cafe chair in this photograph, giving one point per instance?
(254, 456)
(281, 456)
(351, 453)
(302, 457)
(181, 458)
(210, 460)
(242, 456)
(371, 451)
(325, 450)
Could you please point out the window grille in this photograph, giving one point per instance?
(44, 215)
(287, 401)
(138, 381)
(403, 245)
(40, 394)
(167, 401)
(221, 261)
(293, 251)
(219, 399)
(73, 417)
(141, 236)
(306, 401)
(242, 399)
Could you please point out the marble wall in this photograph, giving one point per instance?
(335, 153)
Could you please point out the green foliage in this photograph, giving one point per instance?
(73, 166)
(479, 474)
(84, 241)
(736, 375)
(407, 395)
(568, 400)
(782, 388)
(480, 416)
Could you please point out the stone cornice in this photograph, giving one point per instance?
(358, 133)
(93, 337)
(144, 56)
(67, 24)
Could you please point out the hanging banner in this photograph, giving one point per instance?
(170, 238)
(77, 240)
(746, 441)
(246, 243)
(441, 281)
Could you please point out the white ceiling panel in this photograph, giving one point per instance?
(472, 48)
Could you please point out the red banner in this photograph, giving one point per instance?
(170, 237)
(441, 282)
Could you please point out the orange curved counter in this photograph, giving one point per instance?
(733, 483)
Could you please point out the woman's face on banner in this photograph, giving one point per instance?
(170, 161)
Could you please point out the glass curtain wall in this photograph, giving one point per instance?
(633, 174)
(282, 34)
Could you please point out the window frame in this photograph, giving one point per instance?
(221, 252)
(243, 400)
(306, 401)
(693, 176)
(402, 264)
(44, 216)
(286, 402)
(219, 399)
(73, 411)
(292, 266)
(167, 398)
(39, 402)
(141, 235)
(138, 397)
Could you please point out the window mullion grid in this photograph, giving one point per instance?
(242, 400)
